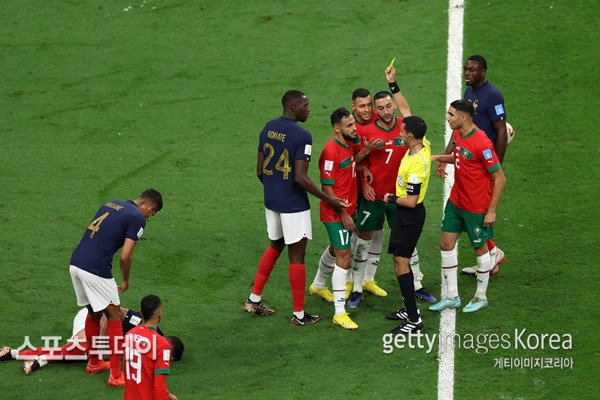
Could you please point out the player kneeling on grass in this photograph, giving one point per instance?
(409, 217)
(148, 356)
(338, 179)
(478, 185)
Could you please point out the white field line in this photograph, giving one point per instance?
(453, 92)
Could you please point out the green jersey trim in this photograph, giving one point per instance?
(383, 129)
(494, 168)
(470, 133)
(346, 163)
(335, 140)
(162, 371)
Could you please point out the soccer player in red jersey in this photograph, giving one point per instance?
(148, 356)
(338, 178)
(478, 185)
(383, 163)
(363, 114)
(490, 117)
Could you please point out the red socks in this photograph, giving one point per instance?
(92, 329)
(491, 244)
(297, 277)
(265, 266)
(114, 330)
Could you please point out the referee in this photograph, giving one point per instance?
(411, 186)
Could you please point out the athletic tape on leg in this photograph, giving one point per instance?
(449, 258)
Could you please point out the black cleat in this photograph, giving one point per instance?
(398, 315)
(408, 327)
(257, 308)
(307, 320)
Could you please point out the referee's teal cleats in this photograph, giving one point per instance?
(475, 305)
(446, 304)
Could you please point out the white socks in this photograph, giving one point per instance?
(360, 261)
(256, 298)
(483, 275)
(326, 264)
(338, 283)
(416, 270)
(373, 255)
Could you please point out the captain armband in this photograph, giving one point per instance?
(413, 188)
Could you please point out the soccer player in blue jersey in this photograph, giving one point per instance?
(490, 117)
(116, 224)
(284, 152)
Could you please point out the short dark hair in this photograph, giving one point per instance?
(360, 92)
(464, 106)
(154, 197)
(149, 305)
(480, 60)
(382, 95)
(415, 125)
(338, 115)
(176, 347)
(290, 97)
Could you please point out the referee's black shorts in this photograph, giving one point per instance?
(406, 230)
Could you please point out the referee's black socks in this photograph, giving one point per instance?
(407, 287)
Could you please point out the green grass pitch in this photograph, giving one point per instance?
(101, 100)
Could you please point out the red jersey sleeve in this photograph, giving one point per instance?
(489, 156)
(328, 165)
(160, 387)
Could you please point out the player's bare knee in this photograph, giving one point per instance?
(343, 258)
(278, 244)
(114, 313)
(401, 265)
(479, 251)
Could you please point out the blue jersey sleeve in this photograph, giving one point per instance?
(304, 147)
(495, 107)
(135, 229)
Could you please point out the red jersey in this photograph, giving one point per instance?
(474, 161)
(384, 161)
(360, 128)
(147, 354)
(337, 168)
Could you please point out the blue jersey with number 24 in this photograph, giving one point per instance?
(282, 142)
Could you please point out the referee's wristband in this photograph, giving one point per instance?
(394, 87)
(392, 198)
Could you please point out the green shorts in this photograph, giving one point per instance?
(456, 220)
(370, 214)
(339, 237)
